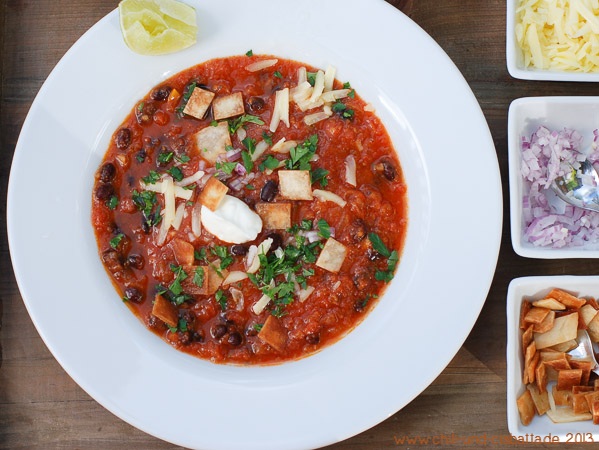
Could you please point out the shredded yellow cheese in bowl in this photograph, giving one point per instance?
(558, 35)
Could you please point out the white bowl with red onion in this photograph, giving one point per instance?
(547, 136)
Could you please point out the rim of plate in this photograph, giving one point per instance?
(445, 271)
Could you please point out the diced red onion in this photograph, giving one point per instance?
(233, 155)
(548, 221)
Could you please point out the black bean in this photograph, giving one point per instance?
(107, 172)
(357, 230)
(255, 104)
(133, 295)
(238, 250)
(373, 255)
(144, 112)
(313, 338)
(197, 336)
(145, 226)
(188, 316)
(180, 145)
(104, 191)
(359, 305)
(123, 138)
(235, 339)
(218, 330)
(269, 191)
(386, 167)
(161, 94)
(361, 278)
(135, 261)
(141, 155)
(277, 240)
(184, 337)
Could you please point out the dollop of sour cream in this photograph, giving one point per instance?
(233, 221)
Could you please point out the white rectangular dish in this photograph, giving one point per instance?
(524, 118)
(515, 59)
(541, 427)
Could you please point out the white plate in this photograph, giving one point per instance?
(442, 280)
(515, 58)
(524, 117)
(541, 426)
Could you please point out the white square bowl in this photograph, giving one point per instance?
(532, 288)
(515, 59)
(524, 117)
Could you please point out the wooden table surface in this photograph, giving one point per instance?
(42, 408)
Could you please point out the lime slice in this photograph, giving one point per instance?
(157, 27)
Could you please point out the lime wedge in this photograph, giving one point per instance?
(157, 27)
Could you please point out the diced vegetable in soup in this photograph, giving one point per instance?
(250, 210)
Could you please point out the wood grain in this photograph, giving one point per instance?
(42, 408)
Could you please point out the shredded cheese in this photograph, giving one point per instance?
(259, 65)
(179, 212)
(281, 109)
(283, 146)
(311, 119)
(235, 276)
(190, 180)
(259, 306)
(168, 190)
(350, 170)
(261, 147)
(326, 196)
(559, 34)
(253, 261)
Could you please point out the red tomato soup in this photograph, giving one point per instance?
(250, 210)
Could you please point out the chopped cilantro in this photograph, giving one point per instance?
(247, 161)
(250, 187)
(250, 144)
(222, 252)
(324, 229)
(186, 94)
(378, 245)
(176, 173)
(180, 275)
(311, 77)
(214, 123)
(226, 167)
(257, 327)
(277, 272)
(269, 163)
(221, 299)
(392, 258)
(200, 254)
(320, 175)
(181, 326)
(306, 224)
(352, 92)
(112, 202)
(267, 138)
(151, 178)
(342, 109)
(235, 124)
(147, 204)
(300, 156)
(249, 53)
(198, 277)
(115, 241)
(165, 157)
(278, 74)
(183, 158)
